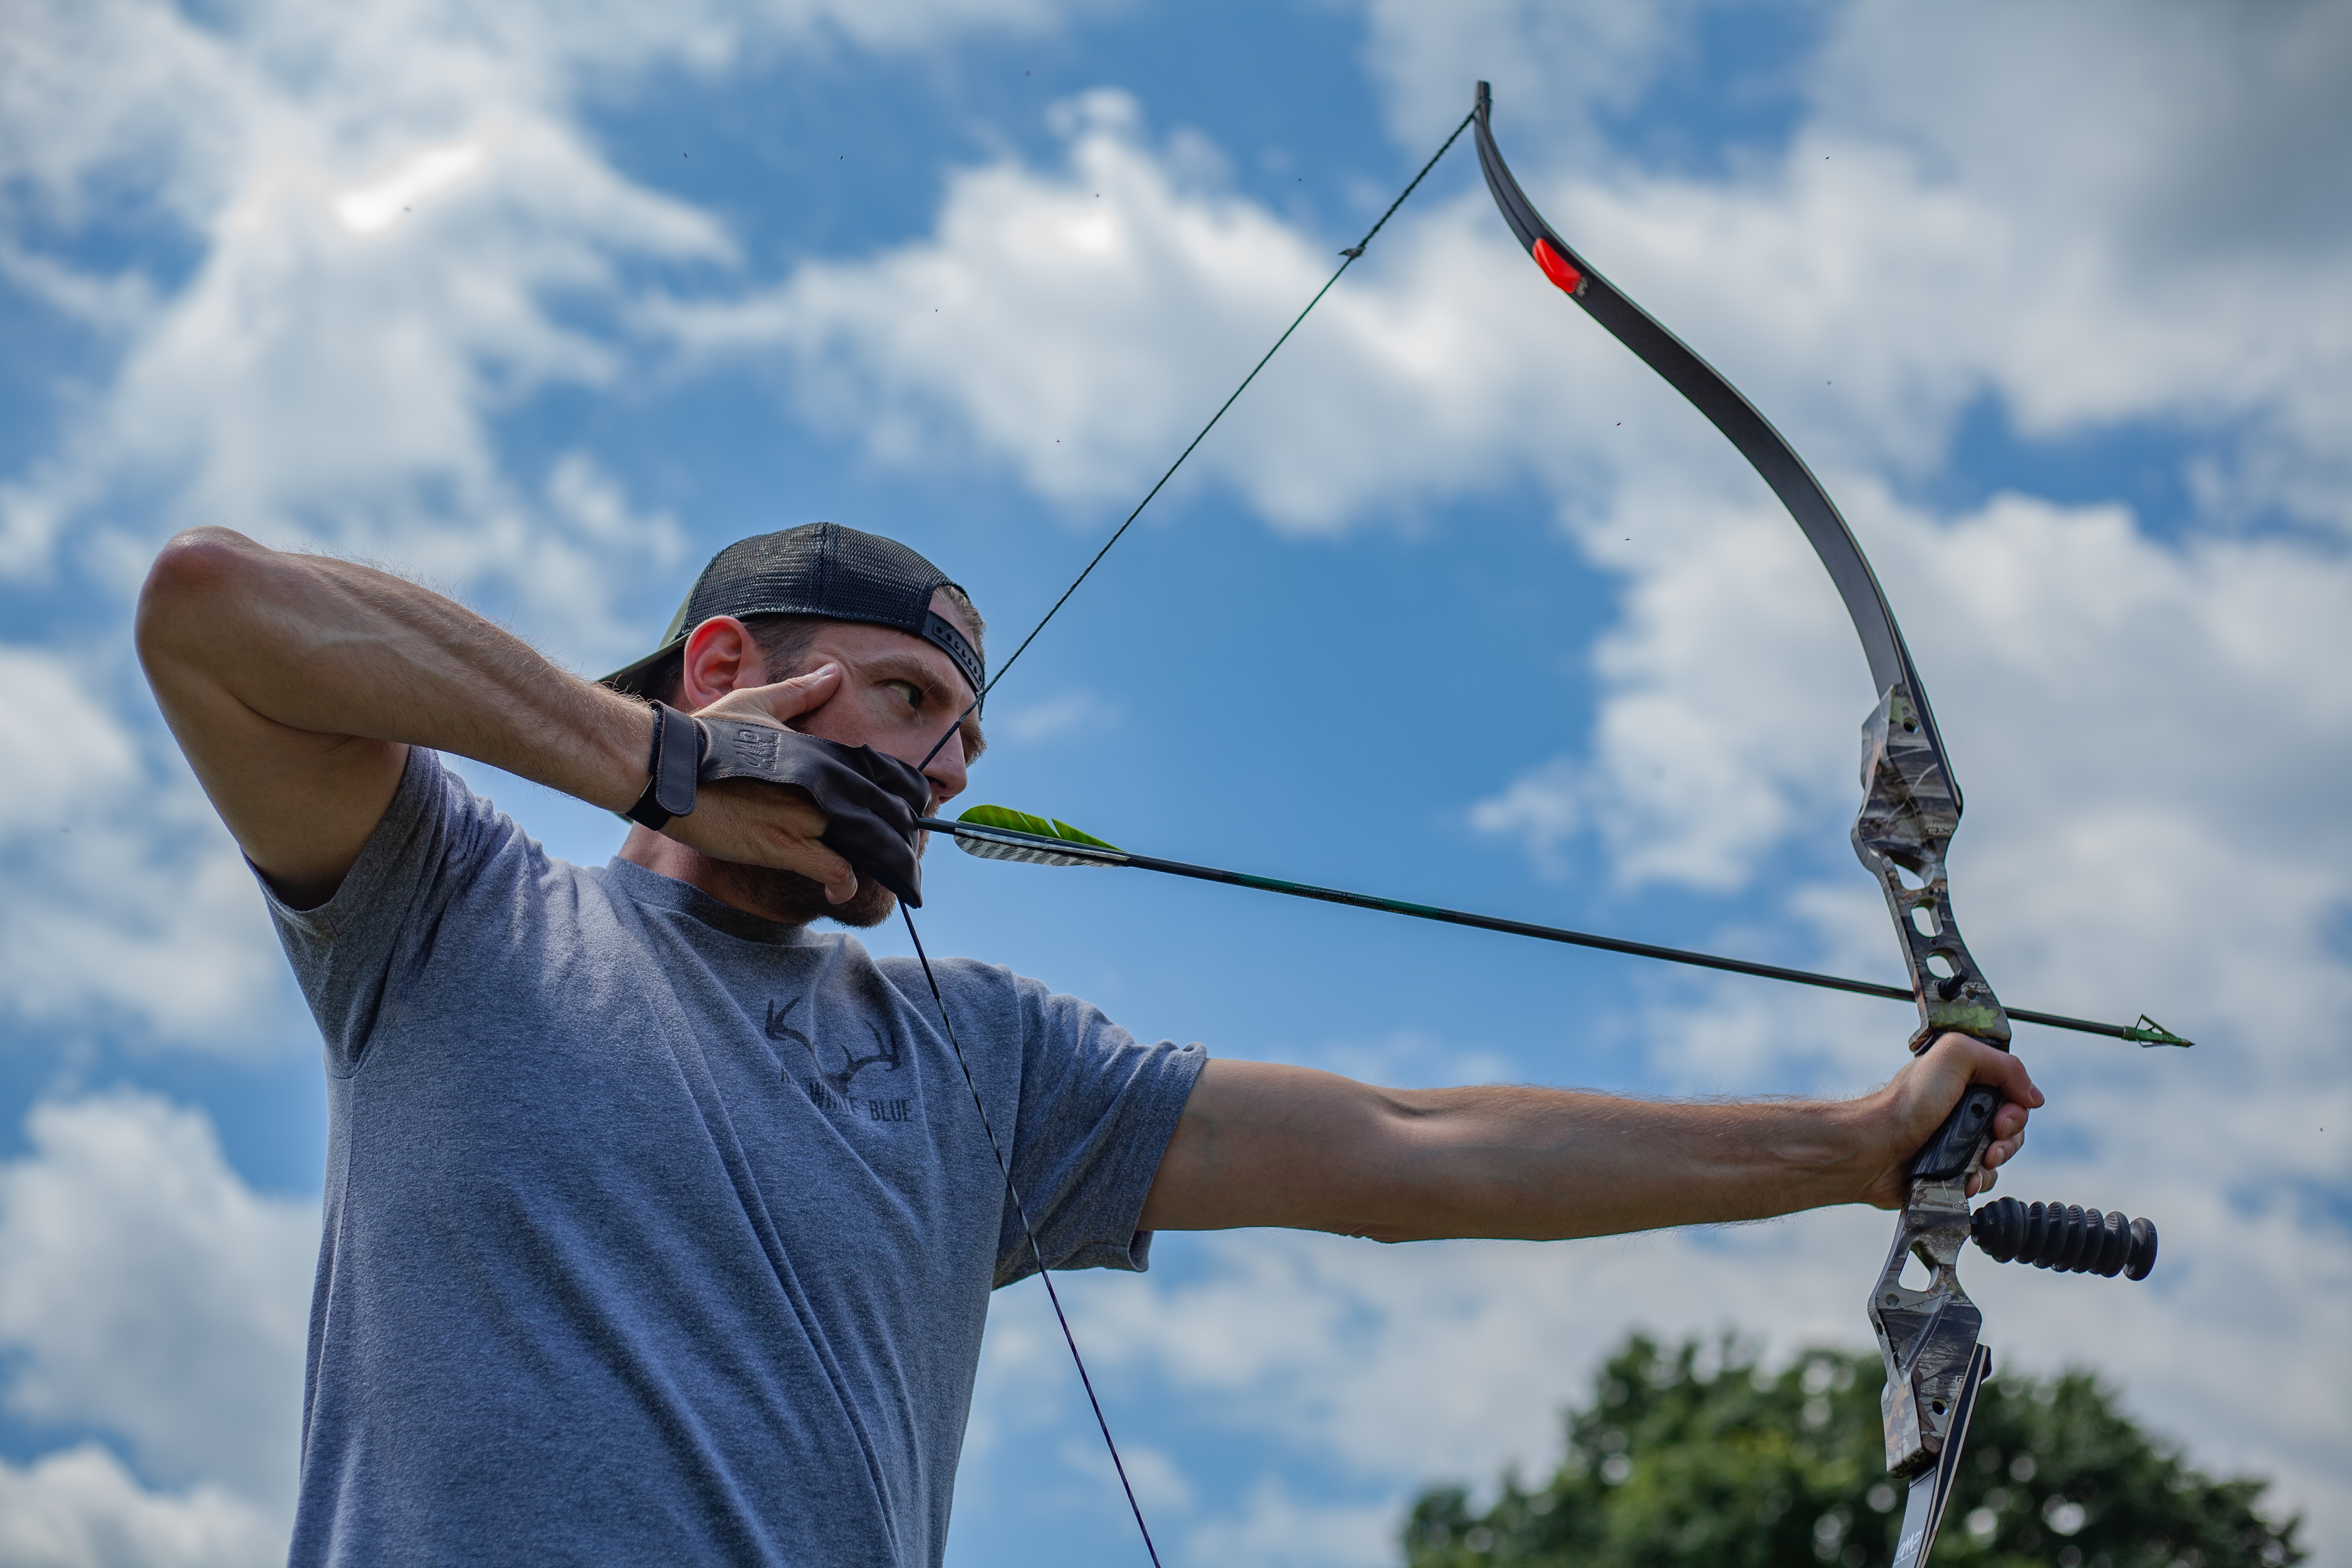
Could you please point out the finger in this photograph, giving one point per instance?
(820, 865)
(790, 698)
(758, 806)
(767, 825)
(2009, 1076)
(1989, 1064)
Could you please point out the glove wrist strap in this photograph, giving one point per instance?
(671, 769)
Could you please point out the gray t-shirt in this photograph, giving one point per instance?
(658, 1233)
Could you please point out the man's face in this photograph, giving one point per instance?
(898, 694)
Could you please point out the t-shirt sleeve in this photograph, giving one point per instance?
(346, 952)
(1097, 1108)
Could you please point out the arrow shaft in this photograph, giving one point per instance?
(1497, 923)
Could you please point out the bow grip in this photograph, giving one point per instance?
(1956, 1144)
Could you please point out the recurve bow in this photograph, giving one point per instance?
(1911, 805)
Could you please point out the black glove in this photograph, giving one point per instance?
(870, 800)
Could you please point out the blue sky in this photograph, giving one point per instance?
(541, 305)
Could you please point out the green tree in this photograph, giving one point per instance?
(1698, 1456)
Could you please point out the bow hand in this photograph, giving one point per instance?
(1934, 1112)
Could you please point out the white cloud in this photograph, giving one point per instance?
(1078, 326)
(323, 372)
(127, 81)
(148, 1292)
(2079, 670)
(401, 230)
(1160, 1485)
(1079, 711)
(127, 902)
(2197, 121)
(1578, 58)
(1733, 685)
(2120, 710)
(1273, 1528)
(2109, 211)
(80, 1509)
(372, 207)
(310, 383)
(1075, 324)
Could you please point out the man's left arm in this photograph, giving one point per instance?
(1261, 1144)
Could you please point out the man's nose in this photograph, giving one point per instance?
(947, 775)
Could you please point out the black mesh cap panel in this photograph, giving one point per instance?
(818, 569)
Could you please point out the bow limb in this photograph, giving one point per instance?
(1914, 802)
(1928, 1338)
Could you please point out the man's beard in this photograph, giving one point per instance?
(790, 898)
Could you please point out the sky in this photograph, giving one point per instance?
(543, 304)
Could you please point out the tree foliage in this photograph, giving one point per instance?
(1699, 1456)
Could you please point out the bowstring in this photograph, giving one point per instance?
(1036, 1254)
(1020, 1211)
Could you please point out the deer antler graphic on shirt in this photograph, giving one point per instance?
(852, 1064)
(776, 1028)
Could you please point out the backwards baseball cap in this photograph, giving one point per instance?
(817, 569)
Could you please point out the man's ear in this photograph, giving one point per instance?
(720, 656)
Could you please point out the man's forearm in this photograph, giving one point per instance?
(1538, 1163)
(295, 682)
(336, 648)
(1265, 1144)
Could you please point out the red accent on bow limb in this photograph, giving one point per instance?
(1557, 268)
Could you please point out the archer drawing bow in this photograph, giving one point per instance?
(1911, 806)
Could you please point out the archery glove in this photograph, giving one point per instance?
(870, 800)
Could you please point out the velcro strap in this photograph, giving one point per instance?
(677, 762)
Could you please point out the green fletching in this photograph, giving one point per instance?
(1013, 821)
(1078, 836)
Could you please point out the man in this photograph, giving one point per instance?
(660, 1227)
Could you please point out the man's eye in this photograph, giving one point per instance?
(905, 688)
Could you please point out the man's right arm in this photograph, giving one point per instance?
(297, 683)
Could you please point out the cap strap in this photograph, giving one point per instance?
(941, 634)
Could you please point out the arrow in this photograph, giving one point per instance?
(999, 833)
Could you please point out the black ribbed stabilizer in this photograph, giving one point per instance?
(2065, 1237)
